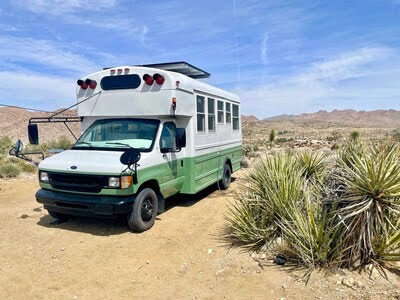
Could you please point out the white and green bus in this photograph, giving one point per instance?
(148, 132)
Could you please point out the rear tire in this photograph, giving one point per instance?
(225, 182)
(58, 216)
(144, 211)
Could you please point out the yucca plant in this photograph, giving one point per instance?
(274, 182)
(370, 204)
(312, 234)
(312, 164)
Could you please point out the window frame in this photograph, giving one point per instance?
(200, 113)
(235, 117)
(228, 104)
(219, 111)
(211, 115)
(164, 126)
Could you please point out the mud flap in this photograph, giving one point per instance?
(161, 203)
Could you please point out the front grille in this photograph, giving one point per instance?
(78, 182)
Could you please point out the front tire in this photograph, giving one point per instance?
(144, 211)
(225, 182)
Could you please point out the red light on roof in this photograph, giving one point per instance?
(112, 72)
(91, 83)
(148, 79)
(119, 70)
(159, 78)
(82, 84)
(126, 70)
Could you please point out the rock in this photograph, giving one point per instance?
(263, 256)
(284, 286)
(348, 281)
(209, 251)
(148, 262)
(62, 249)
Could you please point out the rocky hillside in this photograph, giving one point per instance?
(375, 118)
(14, 123)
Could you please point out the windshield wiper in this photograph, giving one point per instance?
(122, 144)
(86, 143)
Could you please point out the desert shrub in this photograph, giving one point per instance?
(334, 136)
(335, 146)
(5, 144)
(247, 149)
(349, 216)
(9, 169)
(61, 143)
(284, 140)
(245, 162)
(256, 148)
(396, 135)
(24, 165)
(354, 135)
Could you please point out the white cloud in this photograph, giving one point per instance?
(60, 7)
(37, 90)
(28, 51)
(352, 79)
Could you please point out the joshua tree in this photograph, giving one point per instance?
(272, 137)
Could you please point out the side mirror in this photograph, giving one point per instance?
(130, 157)
(33, 134)
(180, 137)
(19, 146)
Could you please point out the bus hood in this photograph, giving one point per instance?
(85, 161)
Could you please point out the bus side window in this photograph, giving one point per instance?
(201, 116)
(228, 112)
(220, 110)
(235, 110)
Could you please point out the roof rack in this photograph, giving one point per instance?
(181, 67)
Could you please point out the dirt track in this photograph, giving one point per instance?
(182, 256)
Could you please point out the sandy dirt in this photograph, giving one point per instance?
(182, 256)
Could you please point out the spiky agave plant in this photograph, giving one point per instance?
(370, 203)
(312, 234)
(274, 182)
(312, 164)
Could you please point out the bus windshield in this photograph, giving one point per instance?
(112, 134)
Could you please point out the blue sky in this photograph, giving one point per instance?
(278, 56)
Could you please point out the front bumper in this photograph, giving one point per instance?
(85, 205)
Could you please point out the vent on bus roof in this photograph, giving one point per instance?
(179, 67)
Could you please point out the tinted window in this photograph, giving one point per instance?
(118, 82)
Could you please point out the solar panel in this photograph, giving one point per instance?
(181, 67)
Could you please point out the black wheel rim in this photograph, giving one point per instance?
(147, 210)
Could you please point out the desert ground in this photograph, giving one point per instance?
(184, 255)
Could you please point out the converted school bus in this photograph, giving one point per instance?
(149, 132)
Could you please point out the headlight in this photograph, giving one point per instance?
(43, 176)
(126, 182)
(114, 182)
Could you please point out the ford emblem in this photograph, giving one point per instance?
(74, 167)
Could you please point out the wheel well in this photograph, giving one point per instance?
(153, 184)
(228, 161)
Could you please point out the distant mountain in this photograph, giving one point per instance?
(249, 119)
(374, 118)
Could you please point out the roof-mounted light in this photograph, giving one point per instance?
(159, 78)
(82, 84)
(91, 83)
(148, 79)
